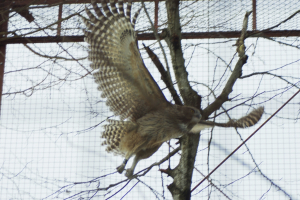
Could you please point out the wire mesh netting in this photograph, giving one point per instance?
(52, 114)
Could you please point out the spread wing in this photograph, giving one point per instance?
(130, 90)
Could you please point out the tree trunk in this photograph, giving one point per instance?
(182, 174)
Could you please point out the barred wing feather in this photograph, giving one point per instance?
(122, 77)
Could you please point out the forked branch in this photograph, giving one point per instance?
(236, 73)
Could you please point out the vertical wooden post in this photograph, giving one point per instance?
(3, 33)
(156, 15)
(254, 15)
(59, 18)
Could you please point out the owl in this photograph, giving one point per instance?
(147, 119)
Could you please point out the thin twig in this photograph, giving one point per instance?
(262, 31)
(130, 189)
(245, 140)
(119, 190)
(157, 38)
(146, 170)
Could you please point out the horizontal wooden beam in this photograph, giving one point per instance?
(150, 36)
(47, 39)
(236, 34)
(39, 2)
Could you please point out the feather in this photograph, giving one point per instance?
(120, 73)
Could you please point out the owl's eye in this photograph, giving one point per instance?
(192, 111)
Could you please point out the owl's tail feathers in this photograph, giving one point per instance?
(113, 133)
(249, 120)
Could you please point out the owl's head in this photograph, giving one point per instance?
(189, 114)
(194, 113)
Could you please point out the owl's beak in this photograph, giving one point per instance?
(198, 117)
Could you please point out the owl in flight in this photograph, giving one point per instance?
(147, 119)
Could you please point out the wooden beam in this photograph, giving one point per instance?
(43, 2)
(156, 15)
(150, 36)
(254, 15)
(60, 7)
(3, 28)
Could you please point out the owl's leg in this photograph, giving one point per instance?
(121, 168)
(129, 172)
(143, 154)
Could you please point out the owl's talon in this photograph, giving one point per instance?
(129, 173)
(121, 168)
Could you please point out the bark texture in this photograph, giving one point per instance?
(182, 174)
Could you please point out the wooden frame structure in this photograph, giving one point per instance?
(5, 5)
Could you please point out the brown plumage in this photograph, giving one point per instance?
(132, 93)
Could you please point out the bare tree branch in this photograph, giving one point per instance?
(237, 72)
(165, 76)
(260, 33)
